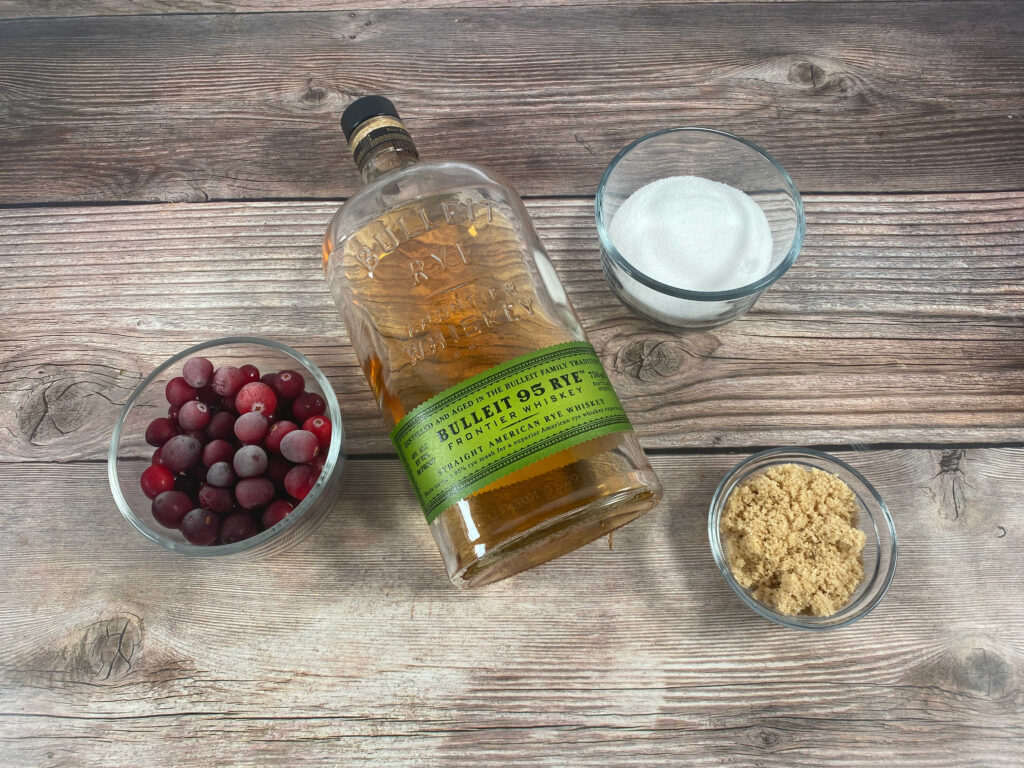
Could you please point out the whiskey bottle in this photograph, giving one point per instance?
(500, 410)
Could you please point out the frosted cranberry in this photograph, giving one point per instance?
(194, 415)
(237, 527)
(200, 527)
(160, 431)
(251, 372)
(197, 371)
(308, 404)
(158, 458)
(320, 426)
(254, 492)
(221, 475)
(227, 380)
(155, 480)
(172, 412)
(216, 451)
(181, 452)
(249, 461)
(299, 446)
(170, 507)
(275, 512)
(255, 396)
(289, 384)
(299, 481)
(268, 379)
(179, 391)
(221, 426)
(251, 427)
(215, 498)
(198, 434)
(277, 432)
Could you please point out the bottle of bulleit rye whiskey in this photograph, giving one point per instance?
(499, 408)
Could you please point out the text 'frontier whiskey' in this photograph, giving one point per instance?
(509, 429)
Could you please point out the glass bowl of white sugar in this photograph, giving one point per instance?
(694, 225)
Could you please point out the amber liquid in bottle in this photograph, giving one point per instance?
(440, 277)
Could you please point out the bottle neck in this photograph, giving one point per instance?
(383, 160)
(381, 145)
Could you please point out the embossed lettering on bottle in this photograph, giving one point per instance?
(499, 409)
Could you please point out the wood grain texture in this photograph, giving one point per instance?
(353, 648)
(868, 97)
(22, 9)
(902, 320)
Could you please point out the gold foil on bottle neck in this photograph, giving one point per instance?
(373, 124)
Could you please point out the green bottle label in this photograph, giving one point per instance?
(499, 421)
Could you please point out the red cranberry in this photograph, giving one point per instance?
(170, 507)
(160, 431)
(300, 481)
(320, 426)
(194, 415)
(155, 480)
(251, 372)
(289, 384)
(275, 512)
(200, 527)
(179, 391)
(308, 404)
(227, 380)
(237, 527)
(254, 492)
(255, 396)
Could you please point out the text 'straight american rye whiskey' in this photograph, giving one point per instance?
(509, 429)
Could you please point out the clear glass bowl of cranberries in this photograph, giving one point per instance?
(231, 446)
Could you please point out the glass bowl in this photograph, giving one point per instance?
(880, 549)
(130, 454)
(713, 155)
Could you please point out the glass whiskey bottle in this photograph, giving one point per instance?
(500, 410)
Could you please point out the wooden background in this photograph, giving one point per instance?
(167, 168)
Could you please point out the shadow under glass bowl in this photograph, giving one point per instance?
(880, 548)
(129, 453)
(720, 157)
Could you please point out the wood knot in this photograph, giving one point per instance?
(646, 359)
(982, 671)
(807, 73)
(767, 739)
(53, 401)
(955, 485)
(313, 95)
(949, 461)
(103, 652)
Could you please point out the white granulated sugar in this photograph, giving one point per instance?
(693, 233)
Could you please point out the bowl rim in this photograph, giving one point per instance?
(850, 613)
(335, 454)
(608, 247)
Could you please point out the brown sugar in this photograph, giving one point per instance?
(791, 537)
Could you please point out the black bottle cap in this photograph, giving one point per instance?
(362, 109)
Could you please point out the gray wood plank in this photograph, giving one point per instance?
(867, 97)
(902, 321)
(352, 648)
(21, 9)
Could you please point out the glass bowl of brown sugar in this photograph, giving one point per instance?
(802, 538)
